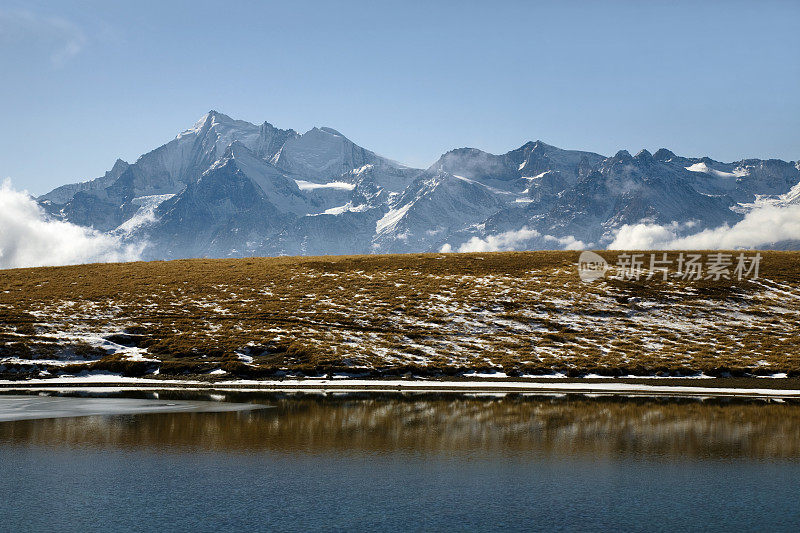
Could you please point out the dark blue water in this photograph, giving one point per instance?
(140, 490)
(276, 471)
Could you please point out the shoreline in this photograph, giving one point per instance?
(774, 388)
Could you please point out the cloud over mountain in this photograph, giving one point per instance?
(765, 226)
(522, 239)
(28, 237)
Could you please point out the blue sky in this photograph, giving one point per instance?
(86, 82)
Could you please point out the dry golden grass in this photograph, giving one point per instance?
(522, 312)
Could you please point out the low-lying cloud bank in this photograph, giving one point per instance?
(28, 237)
(515, 240)
(760, 227)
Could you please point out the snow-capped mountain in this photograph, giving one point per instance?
(227, 187)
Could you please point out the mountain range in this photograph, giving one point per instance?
(229, 188)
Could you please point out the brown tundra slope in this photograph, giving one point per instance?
(522, 313)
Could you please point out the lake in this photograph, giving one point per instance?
(185, 460)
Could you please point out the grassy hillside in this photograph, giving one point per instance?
(519, 312)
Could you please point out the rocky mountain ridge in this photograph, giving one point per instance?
(229, 188)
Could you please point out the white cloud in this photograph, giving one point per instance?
(567, 243)
(500, 242)
(57, 36)
(643, 236)
(29, 238)
(514, 240)
(760, 227)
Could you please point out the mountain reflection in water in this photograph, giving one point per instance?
(444, 424)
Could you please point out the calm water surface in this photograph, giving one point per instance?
(409, 462)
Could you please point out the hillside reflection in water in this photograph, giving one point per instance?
(444, 424)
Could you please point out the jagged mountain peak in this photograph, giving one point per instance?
(220, 124)
(622, 155)
(529, 160)
(206, 122)
(473, 163)
(215, 115)
(663, 155)
(644, 156)
(323, 154)
(324, 132)
(459, 152)
(538, 145)
(266, 125)
(538, 148)
(329, 130)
